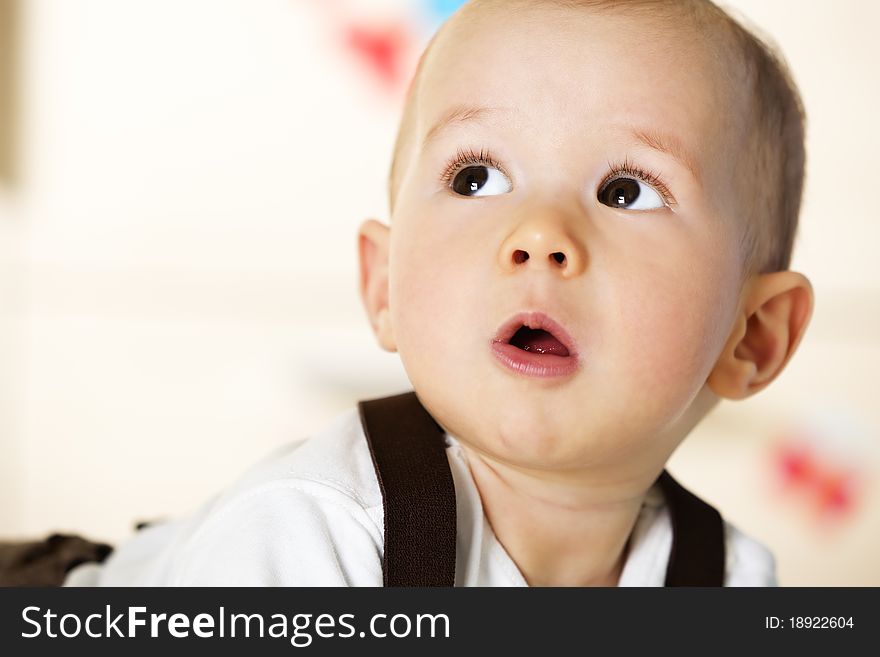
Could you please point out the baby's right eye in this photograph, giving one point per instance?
(480, 180)
(475, 173)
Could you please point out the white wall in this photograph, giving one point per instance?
(11, 372)
(192, 183)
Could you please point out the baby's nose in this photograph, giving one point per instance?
(542, 244)
(520, 256)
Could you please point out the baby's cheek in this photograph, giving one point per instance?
(430, 302)
(668, 340)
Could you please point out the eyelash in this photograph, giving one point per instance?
(465, 157)
(635, 171)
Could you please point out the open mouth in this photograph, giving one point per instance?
(538, 340)
(533, 344)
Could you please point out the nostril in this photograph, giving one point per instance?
(559, 257)
(520, 256)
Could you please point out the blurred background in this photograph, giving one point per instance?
(180, 186)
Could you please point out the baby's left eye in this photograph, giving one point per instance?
(480, 180)
(630, 194)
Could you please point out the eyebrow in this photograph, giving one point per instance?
(457, 115)
(668, 144)
(665, 143)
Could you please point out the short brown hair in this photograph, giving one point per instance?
(771, 165)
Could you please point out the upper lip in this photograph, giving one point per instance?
(536, 320)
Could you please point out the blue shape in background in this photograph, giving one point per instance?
(440, 10)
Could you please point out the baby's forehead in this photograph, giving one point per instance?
(675, 74)
(650, 51)
(559, 70)
(676, 23)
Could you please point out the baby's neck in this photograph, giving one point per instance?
(560, 530)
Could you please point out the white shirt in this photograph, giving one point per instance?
(310, 514)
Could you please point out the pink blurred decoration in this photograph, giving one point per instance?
(824, 465)
(384, 41)
(385, 50)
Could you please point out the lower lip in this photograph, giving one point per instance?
(527, 363)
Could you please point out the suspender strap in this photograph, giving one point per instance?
(697, 556)
(418, 494)
(409, 455)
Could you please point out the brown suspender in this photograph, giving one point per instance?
(409, 455)
(418, 494)
(697, 554)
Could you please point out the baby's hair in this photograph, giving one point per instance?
(770, 168)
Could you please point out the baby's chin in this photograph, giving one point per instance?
(528, 424)
(529, 437)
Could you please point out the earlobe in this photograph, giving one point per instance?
(774, 314)
(373, 255)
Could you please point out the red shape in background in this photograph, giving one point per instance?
(830, 487)
(834, 491)
(795, 463)
(383, 49)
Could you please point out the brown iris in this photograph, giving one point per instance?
(619, 193)
(470, 180)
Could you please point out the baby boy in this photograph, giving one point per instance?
(593, 207)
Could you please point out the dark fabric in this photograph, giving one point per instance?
(698, 554)
(46, 562)
(418, 494)
(419, 501)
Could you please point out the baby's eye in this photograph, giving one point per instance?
(480, 180)
(630, 194)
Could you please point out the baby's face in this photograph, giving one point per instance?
(550, 196)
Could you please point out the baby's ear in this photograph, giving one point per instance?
(774, 314)
(373, 248)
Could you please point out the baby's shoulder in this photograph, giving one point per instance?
(749, 562)
(309, 513)
(332, 462)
